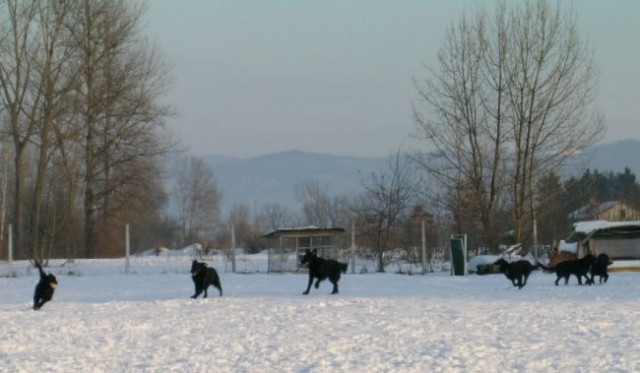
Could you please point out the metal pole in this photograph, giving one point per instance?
(353, 248)
(233, 249)
(535, 237)
(126, 266)
(424, 249)
(10, 244)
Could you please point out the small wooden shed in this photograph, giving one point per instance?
(287, 245)
(620, 240)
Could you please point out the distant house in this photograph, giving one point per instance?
(618, 239)
(607, 211)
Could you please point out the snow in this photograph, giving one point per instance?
(477, 260)
(568, 247)
(103, 320)
(589, 226)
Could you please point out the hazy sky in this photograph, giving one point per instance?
(335, 76)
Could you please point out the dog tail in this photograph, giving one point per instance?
(544, 267)
(343, 267)
(37, 263)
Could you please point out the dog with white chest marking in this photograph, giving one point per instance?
(44, 289)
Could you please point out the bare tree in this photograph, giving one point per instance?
(121, 80)
(509, 101)
(315, 202)
(52, 83)
(276, 216)
(79, 93)
(18, 42)
(248, 227)
(551, 89)
(319, 208)
(385, 205)
(198, 199)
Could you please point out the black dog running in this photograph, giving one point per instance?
(44, 289)
(321, 269)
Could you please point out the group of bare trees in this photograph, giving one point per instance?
(80, 124)
(510, 99)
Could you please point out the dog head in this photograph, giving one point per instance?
(589, 259)
(604, 259)
(197, 268)
(502, 264)
(51, 279)
(309, 255)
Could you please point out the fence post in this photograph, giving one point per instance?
(353, 248)
(10, 251)
(126, 266)
(424, 249)
(233, 249)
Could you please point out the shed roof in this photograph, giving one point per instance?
(308, 231)
(604, 228)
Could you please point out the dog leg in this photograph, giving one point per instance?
(308, 285)
(197, 293)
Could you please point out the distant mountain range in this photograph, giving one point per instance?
(273, 178)
(614, 156)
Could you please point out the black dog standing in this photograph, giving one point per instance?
(44, 289)
(321, 269)
(203, 277)
(599, 268)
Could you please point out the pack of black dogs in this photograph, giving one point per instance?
(586, 267)
(321, 269)
(577, 267)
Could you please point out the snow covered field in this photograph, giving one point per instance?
(102, 320)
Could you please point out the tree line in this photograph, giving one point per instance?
(81, 125)
(393, 215)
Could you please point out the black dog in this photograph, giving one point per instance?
(578, 267)
(321, 269)
(204, 276)
(44, 289)
(518, 272)
(599, 268)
